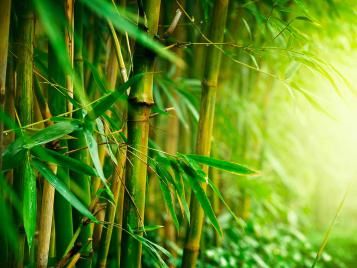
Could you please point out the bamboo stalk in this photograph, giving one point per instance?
(81, 180)
(214, 175)
(4, 43)
(173, 124)
(48, 194)
(45, 222)
(7, 250)
(4, 91)
(117, 185)
(203, 147)
(24, 97)
(69, 39)
(140, 102)
(59, 105)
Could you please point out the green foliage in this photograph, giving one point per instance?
(62, 189)
(263, 245)
(283, 63)
(29, 210)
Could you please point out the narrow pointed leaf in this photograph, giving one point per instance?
(220, 196)
(100, 127)
(192, 177)
(14, 154)
(52, 133)
(93, 151)
(106, 102)
(63, 160)
(169, 202)
(62, 189)
(29, 207)
(109, 12)
(224, 165)
(180, 188)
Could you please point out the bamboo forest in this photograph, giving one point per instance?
(178, 133)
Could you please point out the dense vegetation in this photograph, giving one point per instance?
(179, 133)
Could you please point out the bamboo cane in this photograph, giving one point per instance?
(59, 105)
(209, 85)
(4, 42)
(81, 180)
(117, 185)
(140, 102)
(24, 95)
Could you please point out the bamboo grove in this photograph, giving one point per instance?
(115, 142)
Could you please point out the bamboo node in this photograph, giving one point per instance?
(207, 83)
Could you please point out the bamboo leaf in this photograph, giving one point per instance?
(8, 230)
(165, 179)
(304, 18)
(246, 25)
(93, 151)
(52, 21)
(218, 193)
(149, 228)
(170, 204)
(192, 176)
(62, 189)
(153, 249)
(224, 165)
(29, 208)
(180, 189)
(62, 160)
(107, 101)
(107, 11)
(14, 154)
(174, 102)
(100, 127)
(52, 133)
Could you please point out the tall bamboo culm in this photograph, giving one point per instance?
(114, 64)
(77, 145)
(140, 102)
(58, 104)
(203, 147)
(24, 98)
(4, 43)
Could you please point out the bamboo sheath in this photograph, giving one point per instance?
(203, 147)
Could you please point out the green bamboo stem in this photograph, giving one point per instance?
(69, 38)
(203, 147)
(46, 233)
(59, 105)
(81, 180)
(214, 175)
(111, 211)
(111, 73)
(4, 43)
(100, 206)
(140, 102)
(5, 254)
(24, 97)
(45, 222)
(173, 124)
(117, 185)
